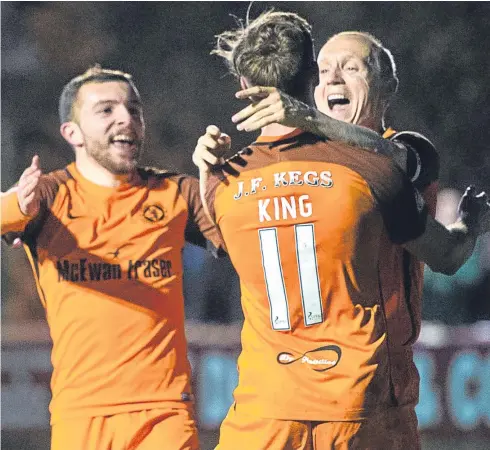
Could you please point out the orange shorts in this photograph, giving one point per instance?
(396, 430)
(154, 429)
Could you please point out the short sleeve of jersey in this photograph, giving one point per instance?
(402, 207)
(199, 230)
(12, 216)
(422, 158)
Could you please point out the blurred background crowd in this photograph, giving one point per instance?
(442, 54)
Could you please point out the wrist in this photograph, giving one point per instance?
(312, 120)
(464, 228)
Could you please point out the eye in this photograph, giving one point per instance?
(351, 68)
(106, 110)
(325, 70)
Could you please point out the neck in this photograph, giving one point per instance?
(374, 116)
(375, 125)
(94, 172)
(276, 129)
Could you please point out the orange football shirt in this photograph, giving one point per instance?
(402, 276)
(303, 220)
(108, 267)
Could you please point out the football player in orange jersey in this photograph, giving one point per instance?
(357, 81)
(104, 238)
(306, 221)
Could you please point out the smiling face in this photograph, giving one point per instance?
(108, 124)
(350, 88)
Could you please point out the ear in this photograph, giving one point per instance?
(72, 134)
(244, 83)
(388, 90)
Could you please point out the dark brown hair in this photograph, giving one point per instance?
(95, 74)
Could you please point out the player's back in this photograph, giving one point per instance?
(302, 220)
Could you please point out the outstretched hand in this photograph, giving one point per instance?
(211, 148)
(270, 105)
(28, 192)
(474, 211)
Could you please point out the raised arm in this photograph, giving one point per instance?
(209, 152)
(200, 229)
(446, 249)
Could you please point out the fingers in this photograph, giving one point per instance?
(474, 209)
(33, 170)
(482, 196)
(273, 98)
(470, 192)
(29, 198)
(202, 156)
(470, 196)
(213, 131)
(256, 91)
(272, 114)
(27, 191)
(211, 147)
(28, 180)
(212, 143)
(224, 140)
(248, 111)
(36, 163)
(270, 109)
(276, 117)
(30, 185)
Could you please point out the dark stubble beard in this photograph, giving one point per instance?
(101, 153)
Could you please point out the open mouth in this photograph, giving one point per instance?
(124, 140)
(337, 100)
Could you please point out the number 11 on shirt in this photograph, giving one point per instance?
(307, 271)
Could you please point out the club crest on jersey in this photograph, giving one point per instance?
(154, 213)
(319, 359)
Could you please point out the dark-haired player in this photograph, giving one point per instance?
(104, 238)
